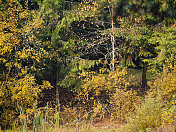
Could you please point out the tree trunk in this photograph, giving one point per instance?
(113, 40)
(164, 70)
(57, 81)
(144, 78)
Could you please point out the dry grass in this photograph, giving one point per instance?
(98, 125)
(168, 128)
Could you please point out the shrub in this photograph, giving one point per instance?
(158, 108)
(123, 103)
(146, 116)
(165, 86)
(98, 87)
(21, 92)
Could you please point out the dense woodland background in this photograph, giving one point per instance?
(67, 61)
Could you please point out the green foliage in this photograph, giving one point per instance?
(66, 43)
(147, 115)
(58, 19)
(73, 70)
(134, 36)
(158, 107)
(22, 120)
(165, 37)
(152, 12)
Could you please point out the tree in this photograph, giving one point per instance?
(136, 20)
(67, 44)
(20, 59)
(165, 37)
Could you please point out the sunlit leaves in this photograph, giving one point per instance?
(124, 103)
(100, 86)
(21, 53)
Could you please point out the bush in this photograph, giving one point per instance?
(21, 92)
(146, 116)
(123, 103)
(98, 87)
(158, 108)
(165, 86)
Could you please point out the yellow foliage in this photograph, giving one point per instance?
(169, 115)
(165, 85)
(23, 91)
(8, 118)
(98, 87)
(159, 106)
(166, 88)
(123, 103)
(18, 44)
(147, 115)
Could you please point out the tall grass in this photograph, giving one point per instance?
(57, 115)
(22, 120)
(43, 119)
(42, 122)
(36, 118)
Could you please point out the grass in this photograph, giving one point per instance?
(92, 128)
(137, 73)
(104, 125)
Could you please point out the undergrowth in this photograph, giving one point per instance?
(155, 110)
(158, 108)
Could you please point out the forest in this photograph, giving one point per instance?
(88, 65)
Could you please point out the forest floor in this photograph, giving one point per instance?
(106, 125)
(101, 125)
